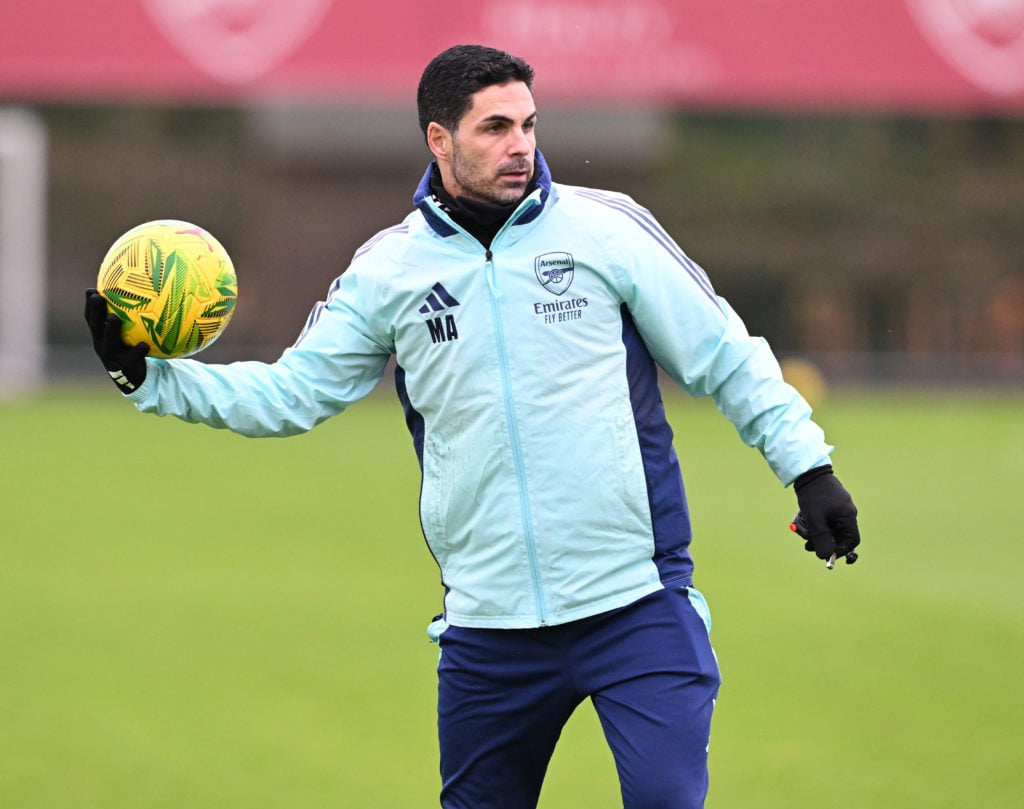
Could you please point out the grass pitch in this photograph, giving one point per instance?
(192, 618)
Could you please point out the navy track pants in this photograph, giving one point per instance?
(504, 696)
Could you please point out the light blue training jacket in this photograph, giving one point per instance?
(528, 373)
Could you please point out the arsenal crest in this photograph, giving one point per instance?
(554, 271)
(236, 41)
(982, 39)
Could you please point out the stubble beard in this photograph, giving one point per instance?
(473, 184)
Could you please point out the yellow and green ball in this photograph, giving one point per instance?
(172, 284)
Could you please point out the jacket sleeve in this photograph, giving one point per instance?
(697, 338)
(338, 359)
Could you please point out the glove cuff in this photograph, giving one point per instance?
(125, 383)
(810, 476)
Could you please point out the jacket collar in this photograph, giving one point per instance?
(528, 209)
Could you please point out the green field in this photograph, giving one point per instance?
(189, 618)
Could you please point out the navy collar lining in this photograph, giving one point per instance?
(445, 229)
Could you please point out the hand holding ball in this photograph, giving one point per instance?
(172, 285)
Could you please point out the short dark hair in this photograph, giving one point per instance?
(451, 79)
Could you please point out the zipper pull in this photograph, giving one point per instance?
(491, 280)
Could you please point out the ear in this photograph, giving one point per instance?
(439, 140)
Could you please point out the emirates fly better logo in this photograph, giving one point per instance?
(982, 39)
(236, 41)
(555, 272)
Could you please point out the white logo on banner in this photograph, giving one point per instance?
(236, 40)
(983, 39)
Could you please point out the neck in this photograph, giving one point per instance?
(482, 220)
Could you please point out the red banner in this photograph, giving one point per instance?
(908, 54)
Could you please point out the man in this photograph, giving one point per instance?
(528, 320)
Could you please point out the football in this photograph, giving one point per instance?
(172, 284)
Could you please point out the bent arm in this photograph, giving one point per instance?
(697, 338)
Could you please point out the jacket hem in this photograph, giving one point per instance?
(563, 617)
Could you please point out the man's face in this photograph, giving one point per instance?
(492, 150)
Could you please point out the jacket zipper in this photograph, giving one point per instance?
(529, 537)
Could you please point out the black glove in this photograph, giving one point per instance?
(827, 514)
(125, 364)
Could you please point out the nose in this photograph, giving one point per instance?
(521, 142)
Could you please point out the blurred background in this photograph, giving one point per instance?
(190, 618)
(851, 175)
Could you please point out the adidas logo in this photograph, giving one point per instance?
(442, 327)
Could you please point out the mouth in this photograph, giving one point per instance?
(516, 178)
(517, 174)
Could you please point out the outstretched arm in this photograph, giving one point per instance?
(338, 360)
